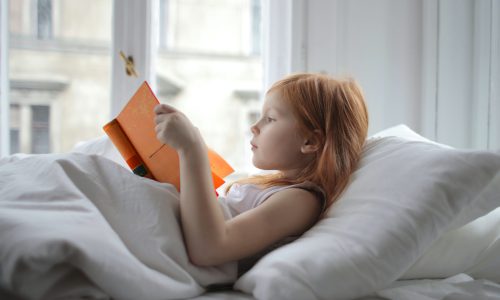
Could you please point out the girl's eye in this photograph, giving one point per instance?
(269, 119)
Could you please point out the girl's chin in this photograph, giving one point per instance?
(262, 166)
(257, 163)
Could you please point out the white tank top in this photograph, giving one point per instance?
(247, 196)
(241, 198)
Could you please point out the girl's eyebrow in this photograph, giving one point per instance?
(273, 108)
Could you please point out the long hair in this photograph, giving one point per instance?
(336, 109)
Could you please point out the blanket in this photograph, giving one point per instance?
(77, 225)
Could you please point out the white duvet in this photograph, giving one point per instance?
(75, 225)
(78, 225)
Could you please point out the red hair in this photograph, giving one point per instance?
(336, 109)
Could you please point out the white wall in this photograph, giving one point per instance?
(432, 65)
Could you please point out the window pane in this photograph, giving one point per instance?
(15, 125)
(40, 115)
(256, 27)
(209, 66)
(210, 26)
(44, 19)
(14, 141)
(59, 72)
(40, 128)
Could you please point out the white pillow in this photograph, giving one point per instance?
(403, 131)
(101, 146)
(473, 249)
(402, 197)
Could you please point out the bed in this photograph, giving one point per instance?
(419, 220)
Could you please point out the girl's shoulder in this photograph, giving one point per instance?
(313, 188)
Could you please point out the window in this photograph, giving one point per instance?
(209, 66)
(210, 26)
(40, 129)
(15, 125)
(256, 27)
(59, 72)
(164, 28)
(30, 128)
(44, 19)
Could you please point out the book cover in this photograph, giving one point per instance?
(133, 134)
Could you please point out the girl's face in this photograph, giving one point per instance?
(276, 142)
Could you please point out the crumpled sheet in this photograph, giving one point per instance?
(76, 225)
(458, 287)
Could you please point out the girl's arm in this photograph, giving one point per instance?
(209, 239)
(203, 223)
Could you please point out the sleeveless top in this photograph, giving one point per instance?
(241, 198)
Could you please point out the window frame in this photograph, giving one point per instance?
(4, 81)
(137, 39)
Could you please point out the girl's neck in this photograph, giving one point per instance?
(291, 174)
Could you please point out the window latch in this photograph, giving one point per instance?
(129, 64)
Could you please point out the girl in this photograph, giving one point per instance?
(311, 131)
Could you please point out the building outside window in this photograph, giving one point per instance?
(59, 72)
(40, 129)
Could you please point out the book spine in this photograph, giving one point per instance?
(126, 149)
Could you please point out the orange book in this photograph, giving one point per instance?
(133, 134)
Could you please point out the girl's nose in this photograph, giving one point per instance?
(254, 128)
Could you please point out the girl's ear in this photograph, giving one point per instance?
(312, 142)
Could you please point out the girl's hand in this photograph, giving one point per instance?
(174, 128)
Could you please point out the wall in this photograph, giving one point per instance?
(433, 65)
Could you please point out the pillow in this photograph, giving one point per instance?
(473, 249)
(487, 263)
(402, 197)
(406, 133)
(101, 146)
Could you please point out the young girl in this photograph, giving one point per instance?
(311, 131)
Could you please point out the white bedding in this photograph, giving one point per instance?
(75, 225)
(404, 195)
(81, 225)
(457, 287)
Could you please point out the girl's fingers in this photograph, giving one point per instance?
(158, 129)
(164, 109)
(162, 117)
(159, 119)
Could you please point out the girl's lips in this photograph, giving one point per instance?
(253, 146)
